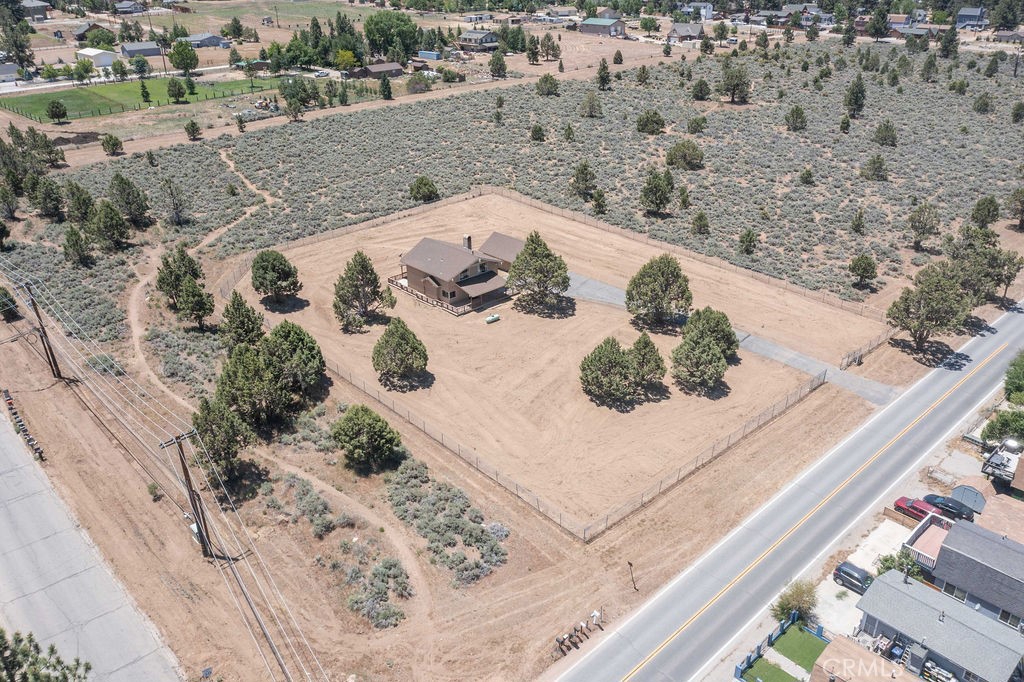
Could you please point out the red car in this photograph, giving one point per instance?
(915, 509)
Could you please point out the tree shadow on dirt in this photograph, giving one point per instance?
(652, 393)
(557, 308)
(289, 304)
(717, 392)
(424, 379)
(671, 327)
(244, 483)
(933, 354)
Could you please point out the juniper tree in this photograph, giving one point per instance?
(855, 98)
(604, 77)
(697, 363)
(274, 276)
(934, 305)
(399, 356)
(539, 275)
(177, 202)
(368, 441)
(605, 374)
(923, 222)
(240, 323)
(583, 181)
(715, 325)
(358, 294)
(646, 366)
(863, 267)
(658, 292)
(193, 303)
(79, 202)
(176, 267)
(76, 250)
(129, 199)
(107, 227)
(700, 224)
(296, 357)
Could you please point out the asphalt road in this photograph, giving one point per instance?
(690, 623)
(54, 583)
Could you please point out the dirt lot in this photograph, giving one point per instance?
(500, 629)
(510, 390)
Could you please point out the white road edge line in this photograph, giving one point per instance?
(796, 481)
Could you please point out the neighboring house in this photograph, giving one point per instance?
(128, 7)
(916, 31)
(971, 17)
(607, 13)
(561, 11)
(680, 32)
(477, 18)
(99, 58)
(984, 570)
(502, 248)
(603, 27)
(899, 21)
(1011, 37)
(770, 17)
(146, 49)
(478, 40)
(378, 71)
(81, 32)
(701, 11)
(8, 73)
(454, 275)
(206, 40)
(913, 623)
(35, 10)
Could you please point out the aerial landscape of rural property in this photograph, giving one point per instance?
(491, 340)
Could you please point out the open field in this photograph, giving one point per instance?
(107, 98)
(511, 390)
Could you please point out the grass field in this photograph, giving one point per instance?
(106, 98)
(767, 672)
(800, 647)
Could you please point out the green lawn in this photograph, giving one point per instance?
(96, 100)
(768, 672)
(800, 647)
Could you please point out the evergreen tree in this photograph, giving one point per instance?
(107, 227)
(497, 65)
(538, 275)
(241, 323)
(605, 374)
(274, 276)
(22, 658)
(604, 76)
(175, 268)
(658, 292)
(856, 96)
(935, 304)
(715, 325)
(857, 225)
(701, 224)
(735, 82)
(144, 92)
(192, 130)
(985, 211)
(194, 303)
(385, 87)
(177, 202)
(930, 68)
(697, 363)
(296, 357)
(863, 267)
(76, 251)
(591, 106)
(369, 442)
(79, 202)
(423, 189)
(399, 357)
(701, 90)
(358, 294)
(8, 210)
(923, 222)
(583, 181)
(8, 311)
(646, 367)
(48, 199)
(129, 199)
(175, 90)
(251, 385)
(656, 193)
(748, 241)
(949, 45)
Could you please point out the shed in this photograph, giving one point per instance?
(390, 69)
(35, 10)
(146, 49)
(603, 27)
(8, 73)
(429, 54)
(99, 58)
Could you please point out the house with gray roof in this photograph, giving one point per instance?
(147, 48)
(984, 570)
(452, 276)
(928, 632)
(680, 32)
(128, 7)
(8, 73)
(972, 18)
(478, 40)
(604, 27)
(206, 40)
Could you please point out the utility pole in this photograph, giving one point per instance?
(277, 17)
(51, 359)
(196, 502)
(152, 30)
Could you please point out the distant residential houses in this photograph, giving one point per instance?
(809, 13)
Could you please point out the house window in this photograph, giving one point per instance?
(954, 592)
(483, 267)
(463, 275)
(971, 677)
(1008, 618)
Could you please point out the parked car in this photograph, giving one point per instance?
(954, 509)
(853, 577)
(915, 509)
(320, 74)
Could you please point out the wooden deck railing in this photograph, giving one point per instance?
(396, 282)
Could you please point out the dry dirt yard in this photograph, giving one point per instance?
(510, 391)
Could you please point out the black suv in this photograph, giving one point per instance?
(954, 509)
(853, 577)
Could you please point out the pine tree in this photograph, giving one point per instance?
(194, 303)
(646, 367)
(605, 374)
(274, 276)
(538, 275)
(856, 96)
(129, 199)
(358, 294)
(714, 324)
(698, 364)
(369, 442)
(107, 227)
(295, 356)
(658, 292)
(399, 357)
(241, 323)
(604, 77)
(175, 268)
(76, 251)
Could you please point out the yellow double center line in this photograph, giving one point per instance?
(809, 514)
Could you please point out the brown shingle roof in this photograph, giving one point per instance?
(387, 66)
(502, 247)
(442, 260)
(482, 284)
